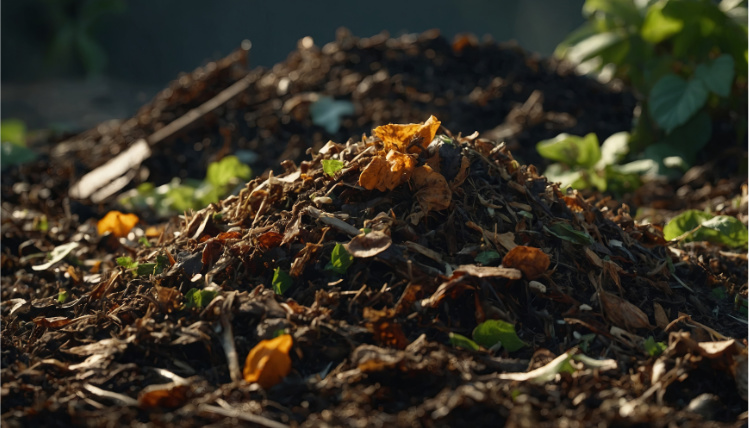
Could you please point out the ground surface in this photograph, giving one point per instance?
(373, 344)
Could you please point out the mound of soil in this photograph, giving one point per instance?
(373, 260)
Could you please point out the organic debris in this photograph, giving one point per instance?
(375, 301)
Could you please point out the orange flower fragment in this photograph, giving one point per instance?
(269, 362)
(118, 223)
(531, 261)
(387, 173)
(411, 138)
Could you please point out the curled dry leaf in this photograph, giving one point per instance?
(387, 173)
(53, 322)
(368, 245)
(623, 313)
(531, 261)
(269, 362)
(118, 223)
(432, 191)
(411, 138)
(170, 395)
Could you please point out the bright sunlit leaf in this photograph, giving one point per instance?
(281, 281)
(331, 166)
(117, 223)
(269, 362)
(460, 341)
(410, 138)
(199, 298)
(340, 259)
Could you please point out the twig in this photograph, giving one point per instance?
(249, 417)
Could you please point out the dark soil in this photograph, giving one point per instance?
(372, 345)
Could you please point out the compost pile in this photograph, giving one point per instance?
(344, 285)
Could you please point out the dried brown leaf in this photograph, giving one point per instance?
(410, 138)
(387, 173)
(661, 319)
(623, 313)
(368, 245)
(52, 322)
(531, 261)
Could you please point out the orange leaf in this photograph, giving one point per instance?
(411, 138)
(531, 261)
(118, 223)
(269, 362)
(387, 173)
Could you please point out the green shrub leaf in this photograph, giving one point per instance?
(674, 100)
(717, 75)
(226, 171)
(331, 166)
(571, 149)
(659, 27)
(460, 341)
(340, 259)
(614, 149)
(720, 229)
(491, 332)
(281, 281)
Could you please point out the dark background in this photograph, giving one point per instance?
(69, 64)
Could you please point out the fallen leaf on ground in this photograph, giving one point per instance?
(410, 138)
(368, 245)
(432, 191)
(387, 173)
(531, 261)
(118, 223)
(269, 362)
(623, 313)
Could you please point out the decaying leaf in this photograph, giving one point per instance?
(269, 362)
(623, 313)
(368, 245)
(661, 319)
(118, 223)
(170, 395)
(387, 173)
(531, 261)
(489, 271)
(411, 138)
(432, 191)
(53, 322)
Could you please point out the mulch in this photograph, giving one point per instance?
(448, 226)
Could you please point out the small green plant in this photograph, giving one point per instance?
(331, 166)
(13, 141)
(199, 298)
(654, 348)
(281, 281)
(340, 259)
(178, 196)
(685, 59)
(491, 332)
(143, 268)
(460, 341)
(583, 163)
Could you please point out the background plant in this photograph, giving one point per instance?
(686, 61)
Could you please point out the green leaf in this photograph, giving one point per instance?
(56, 255)
(145, 269)
(491, 332)
(460, 341)
(659, 27)
(614, 149)
(281, 281)
(557, 173)
(226, 171)
(199, 298)
(568, 233)
(689, 138)
(654, 348)
(162, 262)
(127, 262)
(571, 149)
(487, 257)
(340, 259)
(717, 75)
(674, 100)
(702, 226)
(62, 296)
(13, 131)
(144, 242)
(327, 112)
(13, 154)
(593, 46)
(331, 166)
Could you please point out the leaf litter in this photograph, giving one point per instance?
(385, 339)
